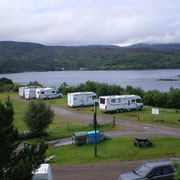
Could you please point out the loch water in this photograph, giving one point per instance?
(146, 79)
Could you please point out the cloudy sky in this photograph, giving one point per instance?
(84, 22)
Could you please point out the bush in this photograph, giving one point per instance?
(101, 89)
(6, 84)
(38, 116)
(35, 83)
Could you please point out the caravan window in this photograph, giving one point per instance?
(133, 100)
(42, 92)
(102, 101)
(138, 100)
(113, 100)
(94, 97)
(53, 91)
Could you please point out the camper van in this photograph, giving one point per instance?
(47, 93)
(82, 99)
(30, 93)
(120, 103)
(22, 90)
(43, 172)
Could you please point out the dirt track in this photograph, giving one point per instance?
(130, 128)
(101, 171)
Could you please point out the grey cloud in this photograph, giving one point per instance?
(82, 22)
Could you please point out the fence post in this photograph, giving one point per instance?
(114, 120)
(137, 115)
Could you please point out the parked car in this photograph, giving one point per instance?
(153, 170)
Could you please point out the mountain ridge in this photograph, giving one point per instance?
(24, 56)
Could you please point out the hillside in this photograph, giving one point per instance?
(19, 57)
(156, 46)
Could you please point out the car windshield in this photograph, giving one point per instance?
(142, 170)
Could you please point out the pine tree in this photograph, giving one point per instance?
(8, 136)
(14, 164)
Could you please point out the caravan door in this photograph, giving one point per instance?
(83, 99)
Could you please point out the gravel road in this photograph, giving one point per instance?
(130, 128)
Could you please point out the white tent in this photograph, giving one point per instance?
(43, 173)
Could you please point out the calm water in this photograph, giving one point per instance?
(146, 79)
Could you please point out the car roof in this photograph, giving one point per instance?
(158, 163)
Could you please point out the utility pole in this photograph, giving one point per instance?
(95, 124)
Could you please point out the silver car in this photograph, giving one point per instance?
(153, 170)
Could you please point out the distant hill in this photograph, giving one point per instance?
(175, 47)
(19, 57)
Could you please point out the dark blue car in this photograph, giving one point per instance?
(159, 170)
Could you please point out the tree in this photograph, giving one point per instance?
(8, 135)
(38, 116)
(177, 170)
(6, 84)
(4, 80)
(35, 83)
(16, 164)
(26, 161)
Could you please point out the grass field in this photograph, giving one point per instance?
(167, 117)
(117, 149)
(60, 128)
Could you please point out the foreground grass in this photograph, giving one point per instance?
(117, 149)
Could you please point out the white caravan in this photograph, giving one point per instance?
(82, 99)
(47, 93)
(30, 93)
(22, 90)
(43, 173)
(120, 103)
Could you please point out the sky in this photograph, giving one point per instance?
(90, 22)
